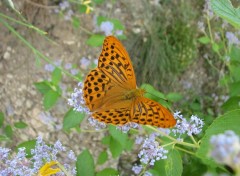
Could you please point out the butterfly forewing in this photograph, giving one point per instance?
(114, 61)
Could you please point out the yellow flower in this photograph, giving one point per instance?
(46, 169)
(87, 4)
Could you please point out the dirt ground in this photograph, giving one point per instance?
(19, 69)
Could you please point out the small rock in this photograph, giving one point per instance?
(6, 55)
(28, 104)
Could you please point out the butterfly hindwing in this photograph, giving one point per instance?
(118, 116)
(148, 112)
(115, 62)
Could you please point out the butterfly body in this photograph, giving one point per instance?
(111, 94)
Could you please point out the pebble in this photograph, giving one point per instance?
(6, 55)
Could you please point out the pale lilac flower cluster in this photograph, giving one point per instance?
(97, 124)
(20, 165)
(126, 127)
(137, 170)
(77, 100)
(193, 126)
(65, 8)
(226, 149)
(207, 9)
(51, 67)
(201, 26)
(17, 165)
(151, 151)
(84, 63)
(232, 39)
(108, 28)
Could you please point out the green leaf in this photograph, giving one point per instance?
(106, 140)
(4, 138)
(101, 19)
(115, 147)
(118, 135)
(215, 47)
(171, 166)
(98, 1)
(85, 164)
(1, 119)
(50, 99)
(117, 24)
(43, 87)
(235, 54)
(28, 145)
(8, 131)
(234, 88)
(56, 76)
(204, 40)
(72, 119)
(231, 104)
(102, 158)
(151, 92)
(20, 125)
(76, 22)
(96, 40)
(235, 72)
(228, 121)
(174, 97)
(82, 8)
(225, 9)
(108, 172)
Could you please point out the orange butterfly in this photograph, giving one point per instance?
(111, 94)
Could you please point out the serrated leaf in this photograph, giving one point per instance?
(56, 76)
(225, 9)
(204, 40)
(102, 158)
(20, 125)
(96, 40)
(8, 131)
(115, 147)
(28, 145)
(72, 119)
(43, 87)
(108, 172)
(1, 119)
(228, 121)
(118, 135)
(50, 99)
(85, 164)
(231, 104)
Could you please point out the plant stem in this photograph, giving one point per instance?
(34, 50)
